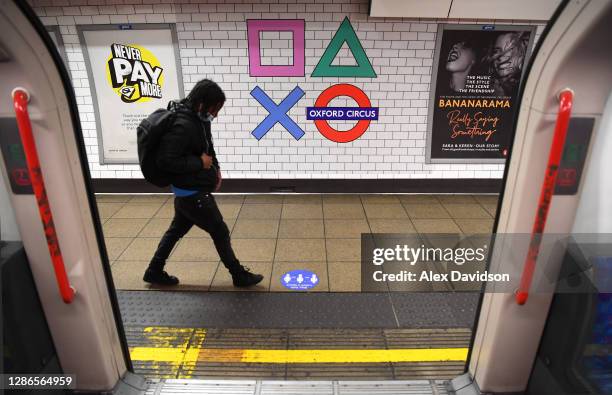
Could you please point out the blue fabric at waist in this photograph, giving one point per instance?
(180, 192)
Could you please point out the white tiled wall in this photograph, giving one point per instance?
(213, 44)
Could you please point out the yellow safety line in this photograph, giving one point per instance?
(354, 356)
(170, 355)
(172, 359)
(298, 356)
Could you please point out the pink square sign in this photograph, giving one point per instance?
(296, 26)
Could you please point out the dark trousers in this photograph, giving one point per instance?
(200, 210)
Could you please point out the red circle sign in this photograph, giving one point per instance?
(342, 90)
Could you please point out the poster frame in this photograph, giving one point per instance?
(113, 27)
(61, 47)
(434, 81)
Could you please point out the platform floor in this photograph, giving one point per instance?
(275, 233)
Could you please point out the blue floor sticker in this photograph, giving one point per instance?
(299, 280)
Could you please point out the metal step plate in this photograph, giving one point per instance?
(256, 387)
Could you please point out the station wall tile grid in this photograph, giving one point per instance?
(212, 41)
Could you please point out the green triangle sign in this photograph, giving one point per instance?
(345, 33)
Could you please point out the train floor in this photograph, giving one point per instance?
(200, 336)
(277, 387)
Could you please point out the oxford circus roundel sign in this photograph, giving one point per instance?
(321, 113)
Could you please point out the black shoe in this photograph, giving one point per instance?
(245, 278)
(159, 277)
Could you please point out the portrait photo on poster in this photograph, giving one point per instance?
(477, 73)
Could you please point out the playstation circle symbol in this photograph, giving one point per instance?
(363, 114)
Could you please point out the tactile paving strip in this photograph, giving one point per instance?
(293, 310)
(435, 309)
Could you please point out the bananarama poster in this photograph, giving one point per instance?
(134, 72)
(477, 73)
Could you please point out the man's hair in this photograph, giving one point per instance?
(205, 92)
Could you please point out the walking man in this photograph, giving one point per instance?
(187, 154)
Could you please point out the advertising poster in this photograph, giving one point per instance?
(134, 71)
(476, 76)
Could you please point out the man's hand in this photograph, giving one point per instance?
(207, 161)
(218, 186)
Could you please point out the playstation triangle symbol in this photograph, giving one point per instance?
(345, 33)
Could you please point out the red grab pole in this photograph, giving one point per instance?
(20, 103)
(566, 98)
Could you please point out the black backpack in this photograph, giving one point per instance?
(149, 134)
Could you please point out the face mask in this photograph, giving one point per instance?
(206, 116)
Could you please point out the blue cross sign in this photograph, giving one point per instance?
(278, 113)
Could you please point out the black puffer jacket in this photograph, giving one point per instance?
(180, 150)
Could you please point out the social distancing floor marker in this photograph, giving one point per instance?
(183, 348)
